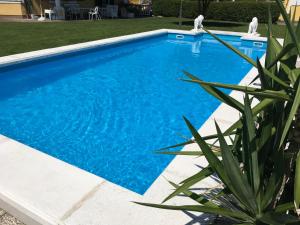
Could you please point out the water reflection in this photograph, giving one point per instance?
(196, 47)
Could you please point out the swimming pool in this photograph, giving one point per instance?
(106, 109)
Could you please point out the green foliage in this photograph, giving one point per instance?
(170, 8)
(297, 185)
(257, 159)
(242, 11)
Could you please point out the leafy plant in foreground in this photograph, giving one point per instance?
(257, 159)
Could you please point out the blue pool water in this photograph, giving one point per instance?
(106, 110)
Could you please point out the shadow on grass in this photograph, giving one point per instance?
(209, 23)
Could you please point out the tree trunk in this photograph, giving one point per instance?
(199, 7)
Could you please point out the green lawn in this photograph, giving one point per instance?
(17, 37)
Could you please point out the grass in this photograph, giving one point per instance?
(17, 37)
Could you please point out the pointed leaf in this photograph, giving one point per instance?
(278, 218)
(213, 160)
(218, 94)
(195, 179)
(284, 207)
(291, 116)
(204, 209)
(208, 172)
(266, 82)
(238, 180)
(288, 25)
(251, 132)
(286, 49)
(281, 95)
(251, 61)
(196, 197)
(297, 184)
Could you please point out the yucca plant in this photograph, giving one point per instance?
(257, 159)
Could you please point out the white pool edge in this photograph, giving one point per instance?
(50, 52)
(42, 198)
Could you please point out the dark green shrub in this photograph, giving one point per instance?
(170, 8)
(165, 8)
(242, 11)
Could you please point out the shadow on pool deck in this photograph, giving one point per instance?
(204, 219)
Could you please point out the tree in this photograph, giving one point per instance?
(203, 6)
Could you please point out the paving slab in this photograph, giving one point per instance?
(50, 186)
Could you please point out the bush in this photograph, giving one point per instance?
(242, 11)
(170, 8)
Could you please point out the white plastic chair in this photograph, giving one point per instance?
(94, 12)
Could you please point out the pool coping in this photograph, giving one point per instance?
(50, 52)
(40, 189)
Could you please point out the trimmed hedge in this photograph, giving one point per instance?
(242, 11)
(170, 8)
(239, 11)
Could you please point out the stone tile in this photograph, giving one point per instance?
(3, 139)
(253, 38)
(181, 168)
(225, 114)
(113, 205)
(42, 182)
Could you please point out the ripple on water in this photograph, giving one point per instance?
(107, 111)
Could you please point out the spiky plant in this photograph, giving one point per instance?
(260, 166)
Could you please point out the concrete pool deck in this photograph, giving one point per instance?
(40, 189)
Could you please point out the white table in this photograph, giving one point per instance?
(50, 12)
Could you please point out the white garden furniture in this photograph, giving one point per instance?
(50, 13)
(94, 13)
